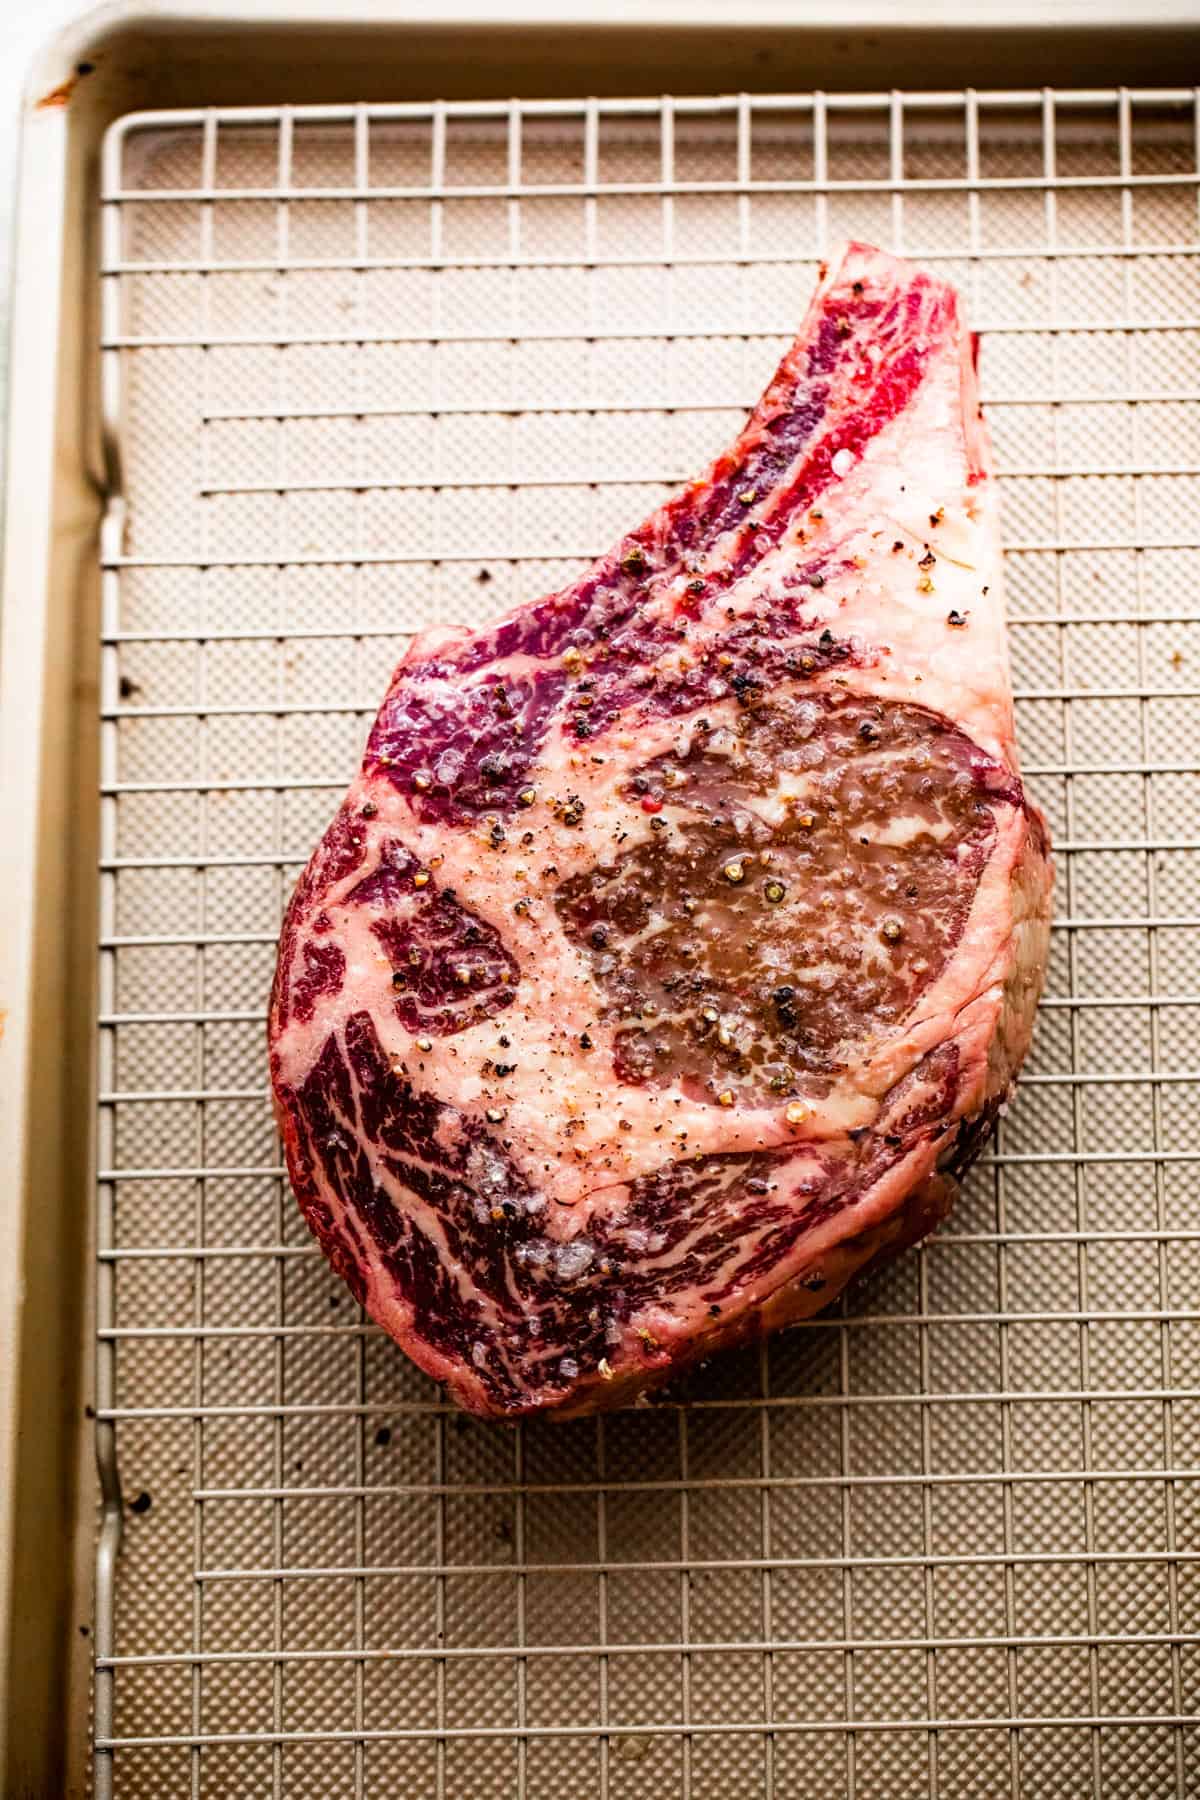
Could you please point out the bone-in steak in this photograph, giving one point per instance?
(680, 937)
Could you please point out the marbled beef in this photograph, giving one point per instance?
(680, 936)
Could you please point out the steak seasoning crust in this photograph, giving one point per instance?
(679, 939)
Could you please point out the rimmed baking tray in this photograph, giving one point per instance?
(290, 381)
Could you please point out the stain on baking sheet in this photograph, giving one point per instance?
(61, 95)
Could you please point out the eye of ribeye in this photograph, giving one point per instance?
(804, 879)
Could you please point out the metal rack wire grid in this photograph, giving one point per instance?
(365, 369)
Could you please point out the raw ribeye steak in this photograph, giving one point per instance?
(680, 938)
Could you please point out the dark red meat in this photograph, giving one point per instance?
(681, 934)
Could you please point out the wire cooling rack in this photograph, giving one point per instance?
(365, 369)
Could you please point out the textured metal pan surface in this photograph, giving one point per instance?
(371, 369)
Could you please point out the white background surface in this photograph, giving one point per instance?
(25, 25)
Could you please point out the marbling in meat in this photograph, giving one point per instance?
(680, 936)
